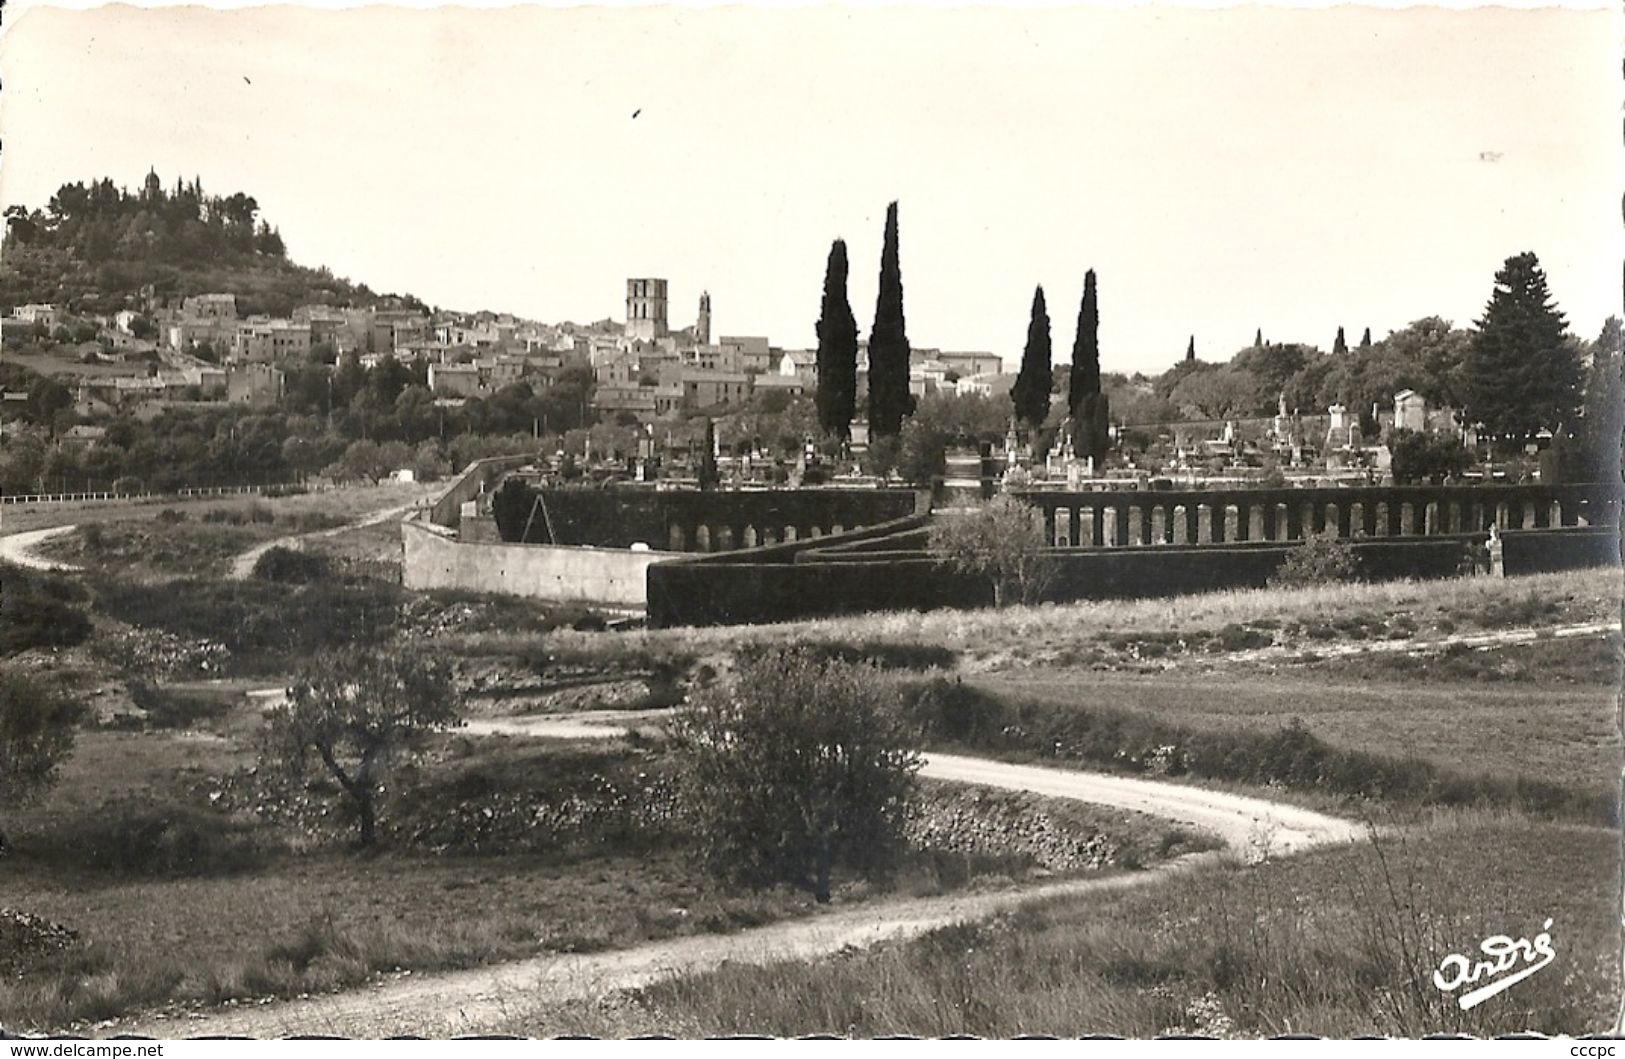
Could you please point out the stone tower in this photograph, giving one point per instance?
(702, 325)
(646, 309)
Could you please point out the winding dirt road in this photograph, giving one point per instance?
(242, 566)
(19, 548)
(475, 1001)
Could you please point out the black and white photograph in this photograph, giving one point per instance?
(856, 521)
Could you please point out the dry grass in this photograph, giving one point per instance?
(341, 504)
(246, 913)
(1467, 726)
(1432, 607)
(179, 904)
(1340, 942)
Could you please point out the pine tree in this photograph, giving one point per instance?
(1339, 345)
(1365, 339)
(1190, 351)
(837, 349)
(888, 343)
(1521, 372)
(1031, 391)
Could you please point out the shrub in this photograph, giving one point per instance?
(880, 654)
(1322, 558)
(261, 623)
(1420, 456)
(797, 766)
(36, 734)
(291, 566)
(135, 837)
(1290, 755)
(955, 712)
(36, 610)
(176, 708)
(169, 516)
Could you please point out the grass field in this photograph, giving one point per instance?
(1338, 942)
(1050, 634)
(335, 505)
(179, 902)
(1541, 727)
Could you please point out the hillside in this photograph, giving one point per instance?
(94, 248)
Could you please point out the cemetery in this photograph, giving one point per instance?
(686, 556)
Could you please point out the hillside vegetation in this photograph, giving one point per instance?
(94, 247)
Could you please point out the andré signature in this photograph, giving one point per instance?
(1456, 970)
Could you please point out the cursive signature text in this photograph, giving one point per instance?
(1503, 954)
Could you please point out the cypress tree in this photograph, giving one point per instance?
(1522, 373)
(837, 349)
(1339, 346)
(1089, 408)
(1085, 375)
(888, 343)
(1365, 339)
(1190, 350)
(1258, 339)
(707, 473)
(1030, 394)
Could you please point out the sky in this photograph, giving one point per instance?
(1223, 171)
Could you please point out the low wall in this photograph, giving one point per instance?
(672, 519)
(842, 579)
(602, 577)
(1122, 518)
(446, 509)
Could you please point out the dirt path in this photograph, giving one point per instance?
(475, 1001)
(243, 565)
(471, 1002)
(19, 548)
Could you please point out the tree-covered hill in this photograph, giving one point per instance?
(94, 247)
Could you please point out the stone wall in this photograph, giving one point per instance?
(446, 509)
(815, 581)
(432, 559)
(1116, 518)
(689, 521)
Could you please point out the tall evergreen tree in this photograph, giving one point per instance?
(1031, 391)
(707, 473)
(1084, 378)
(1088, 406)
(1258, 338)
(1365, 339)
(1190, 351)
(837, 349)
(1339, 344)
(1521, 372)
(889, 399)
(1604, 425)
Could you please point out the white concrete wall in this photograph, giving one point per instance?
(605, 576)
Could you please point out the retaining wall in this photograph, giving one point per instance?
(446, 509)
(691, 520)
(843, 578)
(432, 559)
